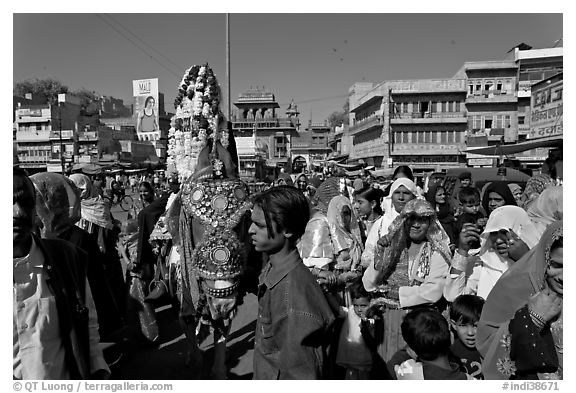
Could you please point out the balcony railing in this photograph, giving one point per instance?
(366, 123)
(491, 96)
(273, 122)
(434, 115)
(68, 134)
(32, 136)
(33, 158)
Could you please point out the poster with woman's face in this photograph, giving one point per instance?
(146, 105)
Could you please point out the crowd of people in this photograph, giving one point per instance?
(420, 283)
(357, 279)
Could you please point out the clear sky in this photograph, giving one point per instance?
(311, 58)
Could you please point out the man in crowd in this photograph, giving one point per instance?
(55, 327)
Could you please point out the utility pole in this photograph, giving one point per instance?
(228, 108)
(60, 101)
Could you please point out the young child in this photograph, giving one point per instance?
(367, 202)
(471, 211)
(357, 345)
(427, 335)
(464, 315)
(293, 315)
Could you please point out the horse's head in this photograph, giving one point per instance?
(216, 208)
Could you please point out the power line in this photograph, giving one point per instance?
(178, 67)
(138, 46)
(317, 99)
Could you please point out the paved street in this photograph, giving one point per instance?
(167, 360)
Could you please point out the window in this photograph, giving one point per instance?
(443, 137)
(498, 122)
(444, 106)
(456, 106)
(477, 122)
(488, 122)
(507, 121)
(471, 89)
(458, 137)
(499, 85)
(557, 94)
(521, 119)
(489, 85)
(507, 86)
(478, 87)
(415, 107)
(428, 137)
(433, 107)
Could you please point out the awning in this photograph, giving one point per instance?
(504, 150)
(489, 174)
(88, 169)
(382, 172)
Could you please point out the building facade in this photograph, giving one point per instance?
(263, 139)
(42, 131)
(311, 147)
(420, 123)
(429, 124)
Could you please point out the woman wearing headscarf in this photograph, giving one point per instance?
(410, 269)
(283, 179)
(401, 191)
(58, 211)
(436, 196)
(516, 190)
(520, 330)
(534, 187)
(508, 235)
(547, 208)
(497, 194)
(301, 183)
(344, 233)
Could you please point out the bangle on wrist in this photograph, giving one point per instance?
(536, 318)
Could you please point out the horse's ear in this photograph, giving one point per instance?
(226, 158)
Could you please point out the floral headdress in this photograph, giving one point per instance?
(198, 123)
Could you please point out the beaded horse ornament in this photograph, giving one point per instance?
(213, 203)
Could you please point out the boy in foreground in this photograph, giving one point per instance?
(293, 314)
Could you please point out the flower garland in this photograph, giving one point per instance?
(198, 118)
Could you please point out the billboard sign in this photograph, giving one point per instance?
(146, 102)
(546, 109)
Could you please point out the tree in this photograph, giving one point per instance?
(48, 87)
(89, 100)
(340, 117)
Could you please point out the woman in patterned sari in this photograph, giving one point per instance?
(410, 266)
(520, 330)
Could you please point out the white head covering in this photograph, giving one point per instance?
(508, 218)
(390, 212)
(547, 208)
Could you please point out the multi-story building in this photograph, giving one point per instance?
(96, 143)
(534, 66)
(420, 123)
(263, 139)
(310, 147)
(491, 104)
(428, 124)
(42, 131)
